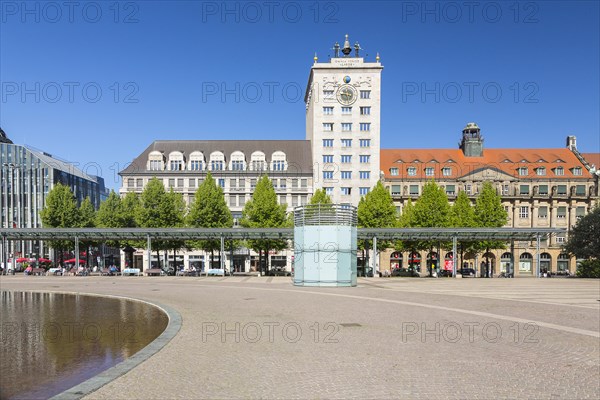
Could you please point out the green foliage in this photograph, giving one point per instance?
(463, 214)
(376, 210)
(60, 211)
(263, 211)
(320, 197)
(110, 214)
(584, 238)
(432, 210)
(130, 204)
(489, 213)
(407, 219)
(209, 210)
(589, 269)
(87, 214)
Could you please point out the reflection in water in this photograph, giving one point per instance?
(51, 342)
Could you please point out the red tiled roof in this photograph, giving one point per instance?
(592, 159)
(505, 160)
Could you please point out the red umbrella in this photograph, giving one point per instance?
(22, 259)
(72, 261)
(44, 260)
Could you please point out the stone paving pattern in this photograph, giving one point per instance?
(495, 338)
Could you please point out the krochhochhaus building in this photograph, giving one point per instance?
(341, 154)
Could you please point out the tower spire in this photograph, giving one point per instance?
(347, 49)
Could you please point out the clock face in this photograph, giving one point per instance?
(346, 94)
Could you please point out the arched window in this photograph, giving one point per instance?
(414, 260)
(237, 161)
(396, 260)
(505, 262)
(525, 262)
(156, 161)
(278, 161)
(176, 161)
(258, 161)
(562, 263)
(545, 262)
(196, 162)
(217, 161)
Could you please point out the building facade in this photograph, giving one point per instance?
(343, 113)
(539, 188)
(26, 177)
(236, 166)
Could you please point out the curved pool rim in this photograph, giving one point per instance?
(96, 382)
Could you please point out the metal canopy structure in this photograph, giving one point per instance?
(443, 234)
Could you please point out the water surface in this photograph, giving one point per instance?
(51, 342)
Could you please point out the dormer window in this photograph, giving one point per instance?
(506, 160)
(176, 161)
(278, 161)
(429, 171)
(238, 161)
(258, 161)
(156, 161)
(394, 171)
(559, 171)
(217, 161)
(196, 162)
(523, 171)
(541, 171)
(412, 171)
(577, 171)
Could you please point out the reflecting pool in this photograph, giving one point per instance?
(51, 342)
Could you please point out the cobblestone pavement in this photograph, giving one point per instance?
(252, 337)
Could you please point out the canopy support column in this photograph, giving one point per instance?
(374, 257)
(76, 253)
(454, 258)
(148, 251)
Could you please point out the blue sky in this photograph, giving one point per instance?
(96, 82)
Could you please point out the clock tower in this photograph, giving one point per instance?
(343, 106)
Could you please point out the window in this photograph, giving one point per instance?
(561, 212)
(327, 174)
(328, 94)
(450, 190)
(327, 142)
(363, 191)
(346, 142)
(155, 165)
(216, 165)
(543, 212)
(130, 183)
(237, 165)
(365, 142)
(283, 200)
(303, 183)
(365, 94)
(328, 158)
(278, 165)
(232, 183)
(328, 110)
(346, 158)
(328, 126)
(364, 159)
(505, 190)
(242, 183)
(522, 171)
(252, 183)
(192, 182)
(541, 171)
(394, 171)
(579, 212)
(414, 189)
(346, 127)
(429, 171)
(524, 212)
(396, 189)
(295, 201)
(468, 189)
(412, 171)
(346, 174)
(577, 171)
(346, 110)
(172, 182)
(294, 183)
(561, 189)
(303, 200)
(222, 182)
(560, 239)
(196, 165)
(242, 201)
(329, 191)
(139, 183)
(232, 201)
(559, 171)
(283, 183)
(365, 111)
(543, 190)
(523, 189)
(179, 182)
(176, 165)
(580, 190)
(446, 171)
(365, 174)
(346, 191)
(562, 262)
(365, 127)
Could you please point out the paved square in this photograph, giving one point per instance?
(251, 337)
